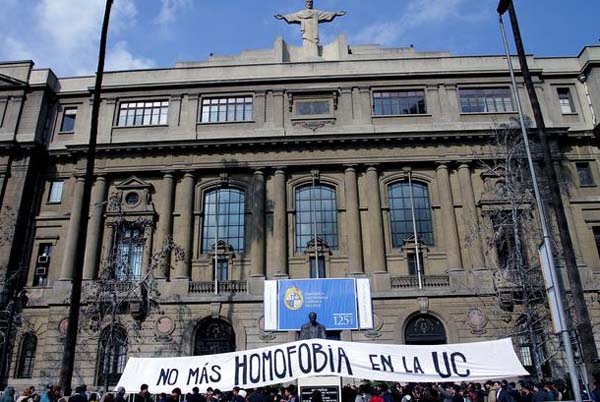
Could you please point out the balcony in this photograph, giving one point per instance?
(224, 287)
(412, 281)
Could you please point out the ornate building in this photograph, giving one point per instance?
(240, 160)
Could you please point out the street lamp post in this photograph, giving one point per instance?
(68, 358)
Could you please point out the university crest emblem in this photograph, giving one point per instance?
(293, 298)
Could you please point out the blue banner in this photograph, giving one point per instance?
(334, 301)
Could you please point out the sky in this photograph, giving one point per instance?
(64, 34)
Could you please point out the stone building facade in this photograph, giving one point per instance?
(276, 140)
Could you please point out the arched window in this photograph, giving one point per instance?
(316, 207)
(112, 355)
(401, 213)
(424, 329)
(213, 336)
(225, 223)
(26, 355)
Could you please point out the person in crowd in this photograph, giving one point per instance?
(526, 393)
(9, 395)
(595, 394)
(502, 393)
(108, 397)
(407, 394)
(376, 395)
(162, 397)
(446, 392)
(257, 395)
(120, 395)
(79, 395)
(458, 394)
(362, 395)
(25, 395)
(175, 395)
(236, 395)
(316, 396)
(94, 397)
(48, 395)
(196, 396)
(291, 393)
(143, 395)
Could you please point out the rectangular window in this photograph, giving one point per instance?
(313, 107)
(222, 110)
(313, 270)
(596, 230)
(40, 275)
(565, 101)
(68, 120)
(222, 269)
(388, 103)
(412, 264)
(585, 174)
(486, 100)
(56, 189)
(129, 254)
(132, 114)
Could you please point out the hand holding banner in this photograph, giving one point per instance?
(290, 361)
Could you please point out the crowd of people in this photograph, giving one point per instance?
(491, 391)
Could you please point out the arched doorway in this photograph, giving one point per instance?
(424, 329)
(213, 336)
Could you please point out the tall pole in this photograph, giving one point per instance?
(314, 214)
(217, 240)
(415, 233)
(68, 358)
(552, 283)
(582, 318)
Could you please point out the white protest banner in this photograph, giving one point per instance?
(289, 361)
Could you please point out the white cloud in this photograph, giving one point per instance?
(119, 58)
(417, 14)
(169, 9)
(64, 34)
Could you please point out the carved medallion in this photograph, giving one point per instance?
(165, 325)
(477, 321)
(63, 325)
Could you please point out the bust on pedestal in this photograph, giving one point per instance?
(312, 329)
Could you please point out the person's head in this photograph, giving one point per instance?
(195, 390)
(109, 397)
(312, 317)
(144, 388)
(176, 393)
(496, 385)
(36, 397)
(236, 390)
(309, 4)
(121, 391)
(209, 390)
(94, 396)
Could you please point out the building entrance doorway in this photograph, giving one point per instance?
(424, 329)
(213, 336)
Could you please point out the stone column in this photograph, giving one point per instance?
(355, 254)
(94, 234)
(451, 242)
(377, 260)
(187, 219)
(257, 241)
(165, 224)
(68, 263)
(470, 215)
(280, 235)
